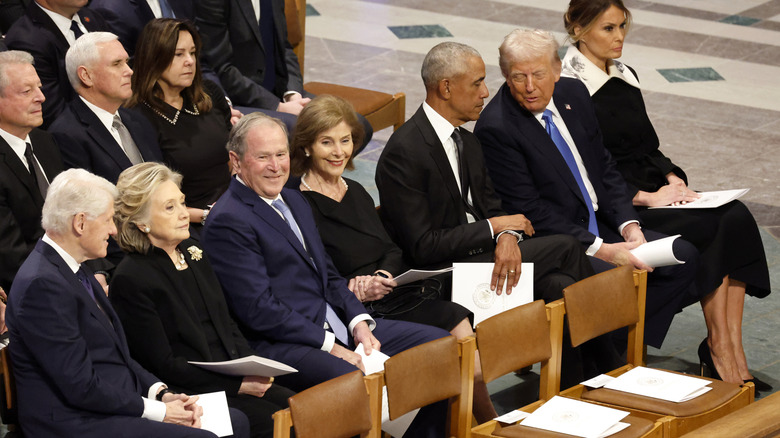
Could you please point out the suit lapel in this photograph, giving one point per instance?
(38, 16)
(13, 162)
(146, 15)
(135, 129)
(103, 139)
(249, 14)
(440, 158)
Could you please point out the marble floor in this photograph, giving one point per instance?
(709, 72)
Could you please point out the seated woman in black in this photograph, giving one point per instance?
(732, 254)
(321, 149)
(191, 115)
(170, 302)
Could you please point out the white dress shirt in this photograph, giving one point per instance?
(63, 23)
(19, 146)
(107, 119)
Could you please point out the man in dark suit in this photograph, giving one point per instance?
(73, 369)
(21, 195)
(47, 29)
(127, 18)
(93, 132)
(279, 282)
(562, 177)
(437, 220)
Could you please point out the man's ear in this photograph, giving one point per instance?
(444, 89)
(235, 163)
(78, 223)
(84, 76)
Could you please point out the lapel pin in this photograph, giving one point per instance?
(86, 19)
(568, 107)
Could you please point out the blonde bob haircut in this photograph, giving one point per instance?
(136, 186)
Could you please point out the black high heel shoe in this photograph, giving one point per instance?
(760, 384)
(706, 365)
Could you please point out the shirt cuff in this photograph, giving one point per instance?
(289, 93)
(490, 226)
(362, 317)
(153, 410)
(594, 247)
(329, 342)
(625, 224)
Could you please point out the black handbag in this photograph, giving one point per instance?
(405, 298)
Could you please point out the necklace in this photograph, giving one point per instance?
(175, 119)
(308, 187)
(181, 263)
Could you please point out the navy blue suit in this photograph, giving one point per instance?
(532, 178)
(86, 143)
(37, 34)
(73, 369)
(278, 290)
(127, 18)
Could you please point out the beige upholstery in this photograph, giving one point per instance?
(380, 109)
(314, 414)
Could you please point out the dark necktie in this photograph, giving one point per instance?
(267, 34)
(74, 27)
(84, 279)
(338, 327)
(129, 146)
(35, 170)
(568, 156)
(166, 10)
(463, 173)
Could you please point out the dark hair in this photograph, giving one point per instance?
(322, 113)
(584, 13)
(154, 52)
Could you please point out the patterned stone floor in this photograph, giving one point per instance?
(709, 72)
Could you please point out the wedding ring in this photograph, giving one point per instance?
(511, 271)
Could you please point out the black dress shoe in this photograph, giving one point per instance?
(760, 384)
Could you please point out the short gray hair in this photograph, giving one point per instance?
(85, 52)
(445, 60)
(8, 59)
(72, 192)
(523, 45)
(237, 140)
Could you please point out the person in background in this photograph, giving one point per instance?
(733, 261)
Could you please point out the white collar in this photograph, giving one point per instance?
(69, 260)
(105, 117)
(17, 144)
(578, 66)
(441, 126)
(63, 23)
(268, 201)
(553, 109)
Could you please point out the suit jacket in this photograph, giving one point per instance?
(276, 289)
(37, 34)
(127, 18)
(533, 176)
(233, 47)
(163, 328)
(86, 143)
(421, 203)
(71, 360)
(21, 202)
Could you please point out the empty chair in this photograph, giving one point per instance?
(615, 299)
(523, 336)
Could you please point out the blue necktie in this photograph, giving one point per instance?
(568, 156)
(74, 27)
(166, 10)
(82, 276)
(338, 327)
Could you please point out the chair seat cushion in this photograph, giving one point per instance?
(639, 426)
(720, 393)
(364, 101)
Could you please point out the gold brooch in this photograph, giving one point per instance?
(195, 252)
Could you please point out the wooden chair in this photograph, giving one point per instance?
(437, 370)
(524, 336)
(380, 109)
(760, 419)
(346, 406)
(615, 299)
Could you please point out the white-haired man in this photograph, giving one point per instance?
(93, 132)
(73, 369)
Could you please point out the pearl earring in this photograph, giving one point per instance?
(147, 229)
(307, 154)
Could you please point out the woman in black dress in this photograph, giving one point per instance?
(191, 115)
(733, 259)
(170, 302)
(321, 149)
